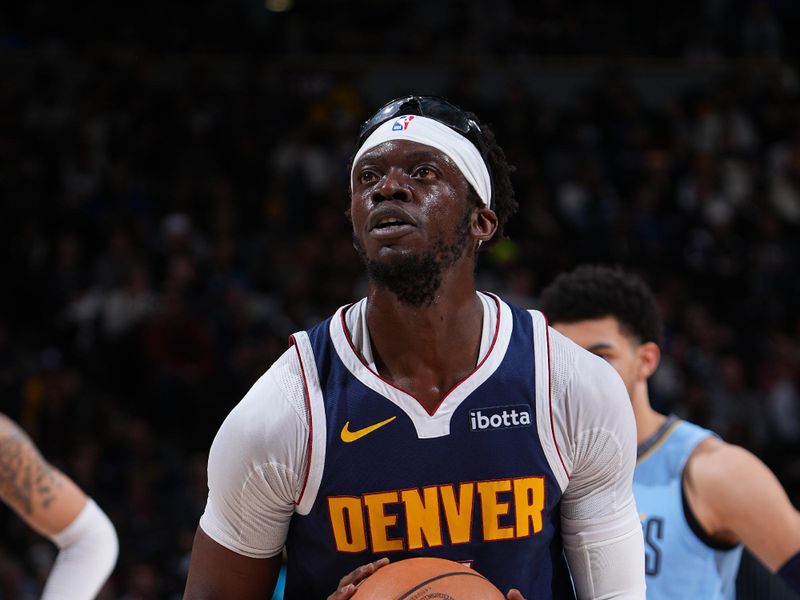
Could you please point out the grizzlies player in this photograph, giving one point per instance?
(427, 418)
(699, 498)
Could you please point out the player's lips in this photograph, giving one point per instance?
(388, 221)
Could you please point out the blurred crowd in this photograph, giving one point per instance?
(508, 29)
(169, 217)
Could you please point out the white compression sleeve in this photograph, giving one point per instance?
(606, 557)
(596, 429)
(88, 551)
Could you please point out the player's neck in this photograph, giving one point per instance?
(648, 421)
(437, 321)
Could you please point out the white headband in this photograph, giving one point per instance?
(432, 133)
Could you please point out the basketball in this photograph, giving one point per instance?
(427, 579)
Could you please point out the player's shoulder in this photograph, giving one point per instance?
(582, 371)
(719, 474)
(275, 399)
(587, 393)
(563, 349)
(715, 464)
(724, 481)
(286, 373)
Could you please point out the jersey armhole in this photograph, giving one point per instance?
(696, 526)
(315, 408)
(545, 420)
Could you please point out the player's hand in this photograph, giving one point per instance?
(514, 594)
(347, 584)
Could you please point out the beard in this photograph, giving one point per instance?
(415, 279)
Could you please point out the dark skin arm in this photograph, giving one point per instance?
(217, 573)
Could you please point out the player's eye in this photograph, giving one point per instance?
(367, 177)
(424, 172)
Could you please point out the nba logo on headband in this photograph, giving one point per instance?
(402, 123)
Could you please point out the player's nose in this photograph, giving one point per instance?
(393, 187)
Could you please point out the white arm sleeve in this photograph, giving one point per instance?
(257, 464)
(595, 428)
(88, 550)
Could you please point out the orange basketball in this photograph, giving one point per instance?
(427, 579)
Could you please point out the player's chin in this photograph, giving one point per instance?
(398, 252)
(402, 246)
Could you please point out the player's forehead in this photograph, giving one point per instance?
(403, 151)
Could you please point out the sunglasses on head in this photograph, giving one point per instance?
(432, 107)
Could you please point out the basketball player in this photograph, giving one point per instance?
(56, 508)
(699, 498)
(427, 418)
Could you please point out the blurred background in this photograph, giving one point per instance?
(173, 180)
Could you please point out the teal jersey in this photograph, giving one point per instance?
(681, 561)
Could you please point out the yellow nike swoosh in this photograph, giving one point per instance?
(351, 436)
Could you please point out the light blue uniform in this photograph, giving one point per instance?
(681, 562)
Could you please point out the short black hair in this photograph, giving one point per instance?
(595, 292)
(504, 204)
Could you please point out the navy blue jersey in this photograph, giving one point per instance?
(469, 482)
(679, 563)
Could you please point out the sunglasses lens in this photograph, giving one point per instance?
(446, 113)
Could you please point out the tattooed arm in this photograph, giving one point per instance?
(43, 496)
(54, 506)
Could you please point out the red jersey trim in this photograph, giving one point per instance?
(550, 398)
(310, 420)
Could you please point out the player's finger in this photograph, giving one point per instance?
(362, 572)
(343, 593)
(514, 594)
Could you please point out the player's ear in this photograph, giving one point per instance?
(483, 224)
(649, 356)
